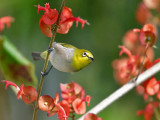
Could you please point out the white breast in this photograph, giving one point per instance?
(61, 58)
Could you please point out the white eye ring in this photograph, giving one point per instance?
(84, 54)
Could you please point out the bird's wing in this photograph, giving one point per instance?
(64, 50)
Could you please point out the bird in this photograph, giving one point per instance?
(65, 57)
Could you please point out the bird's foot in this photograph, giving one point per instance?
(50, 49)
(44, 74)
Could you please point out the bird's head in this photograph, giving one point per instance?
(81, 58)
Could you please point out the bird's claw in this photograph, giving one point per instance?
(50, 49)
(44, 73)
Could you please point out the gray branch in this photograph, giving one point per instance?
(123, 90)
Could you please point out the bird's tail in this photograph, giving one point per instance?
(36, 56)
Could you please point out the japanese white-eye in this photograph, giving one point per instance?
(66, 58)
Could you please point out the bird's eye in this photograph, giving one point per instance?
(84, 54)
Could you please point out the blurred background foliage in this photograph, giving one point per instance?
(109, 20)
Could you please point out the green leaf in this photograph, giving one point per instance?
(14, 66)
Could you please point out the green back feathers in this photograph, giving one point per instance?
(68, 45)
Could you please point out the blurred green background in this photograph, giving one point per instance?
(109, 20)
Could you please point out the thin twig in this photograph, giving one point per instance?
(141, 66)
(123, 90)
(54, 30)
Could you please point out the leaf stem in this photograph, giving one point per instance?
(54, 30)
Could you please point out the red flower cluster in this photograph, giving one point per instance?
(74, 95)
(148, 12)
(5, 21)
(128, 67)
(135, 44)
(50, 17)
(73, 100)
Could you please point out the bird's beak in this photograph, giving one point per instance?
(91, 58)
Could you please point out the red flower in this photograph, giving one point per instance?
(5, 20)
(28, 93)
(71, 91)
(66, 108)
(79, 105)
(143, 14)
(140, 89)
(45, 29)
(130, 40)
(147, 37)
(45, 103)
(65, 24)
(88, 99)
(68, 92)
(50, 17)
(151, 86)
(55, 108)
(67, 20)
(47, 19)
(61, 113)
(130, 68)
(60, 108)
(79, 91)
(125, 50)
(91, 116)
(149, 27)
(119, 73)
(147, 34)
